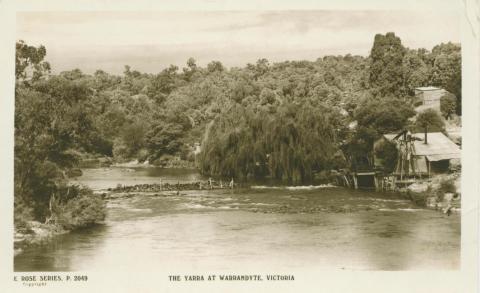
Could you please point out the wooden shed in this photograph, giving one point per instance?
(415, 157)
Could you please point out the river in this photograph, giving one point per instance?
(311, 227)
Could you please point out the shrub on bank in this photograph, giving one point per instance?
(447, 185)
(163, 161)
(175, 162)
(80, 212)
(78, 208)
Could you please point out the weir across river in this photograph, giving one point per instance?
(232, 230)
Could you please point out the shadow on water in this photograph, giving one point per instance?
(281, 226)
(57, 253)
(180, 174)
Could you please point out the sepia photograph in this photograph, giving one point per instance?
(249, 145)
(335, 144)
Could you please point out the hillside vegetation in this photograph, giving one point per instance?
(286, 120)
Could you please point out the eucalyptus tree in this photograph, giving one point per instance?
(386, 74)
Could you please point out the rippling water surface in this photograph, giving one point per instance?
(262, 227)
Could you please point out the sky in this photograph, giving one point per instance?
(151, 41)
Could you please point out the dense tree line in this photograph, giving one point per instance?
(53, 119)
(286, 120)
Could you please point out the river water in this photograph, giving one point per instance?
(310, 227)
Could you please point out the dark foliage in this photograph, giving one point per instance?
(287, 120)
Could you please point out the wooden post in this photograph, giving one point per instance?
(347, 184)
(401, 168)
(355, 183)
(429, 167)
(375, 182)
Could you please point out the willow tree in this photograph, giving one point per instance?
(290, 144)
(300, 140)
(234, 145)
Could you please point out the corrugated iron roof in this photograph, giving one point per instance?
(390, 136)
(433, 158)
(439, 146)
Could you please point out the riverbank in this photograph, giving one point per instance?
(35, 233)
(87, 161)
(330, 227)
(434, 194)
(83, 209)
(441, 192)
(325, 220)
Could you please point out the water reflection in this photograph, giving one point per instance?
(59, 253)
(329, 228)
